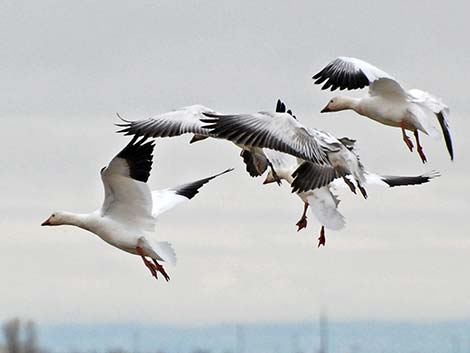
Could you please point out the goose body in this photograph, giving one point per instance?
(324, 157)
(323, 202)
(387, 102)
(126, 220)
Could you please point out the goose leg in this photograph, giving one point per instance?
(322, 238)
(276, 177)
(405, 137)
(150, 266)
(160, 269)
(302, 223)
(363, 191)
(350, 184)
(419, 147)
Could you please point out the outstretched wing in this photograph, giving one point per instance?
(396, 180)
(310, 176)
(278, 131)
(351, 73)
(163, 200)
(127, 195)
(174, 123)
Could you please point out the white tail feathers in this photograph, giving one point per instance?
(324, 208)
(165, 251)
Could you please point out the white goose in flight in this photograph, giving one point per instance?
(186, 120)
(322, 202)
(387, 101)
(127, 217)
(325, 158)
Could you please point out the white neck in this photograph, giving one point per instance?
(75, 219)
(350, 103)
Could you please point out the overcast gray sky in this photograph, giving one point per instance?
(66, 67)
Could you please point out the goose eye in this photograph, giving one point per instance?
(331, 101)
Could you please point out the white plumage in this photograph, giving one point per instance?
(387, 101)
(127, 217)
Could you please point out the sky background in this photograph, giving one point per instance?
(66, 67)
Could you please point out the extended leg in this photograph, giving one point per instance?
(322, 239)
(161, 270)
(363, 191)
(302, 223)
(150, 266)
(276, 177)
(350, 184)
(419, 147)
(405, 137)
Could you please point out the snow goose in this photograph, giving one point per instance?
(186, 121)
(324, 157)
(322, 202)
(127, 217)
(387, 101)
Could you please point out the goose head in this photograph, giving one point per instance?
(56, 219)
(338, 103)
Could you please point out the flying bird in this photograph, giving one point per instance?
(186, 120)
(322, 201)
(386, 102)
(127, 217)
(324, 157)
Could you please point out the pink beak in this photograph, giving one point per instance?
(325, 110)
(46, 223)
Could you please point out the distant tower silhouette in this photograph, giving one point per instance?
(295, 343)
(355, 348)
(323, 333)
(240, 339)
(136, 341)
(455, 344)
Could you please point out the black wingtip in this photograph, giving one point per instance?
(394, 181)
(138, 154)
(446, 133)
(192, 189)
(282, 108)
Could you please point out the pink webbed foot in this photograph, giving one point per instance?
(154, 267)
(420, 148)
(322, 238)
(407, 140)
(160, 269)
(302, 223)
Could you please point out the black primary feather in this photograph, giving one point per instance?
(138, 155)
(281, 108)
(190, 190)
(446, 133)
(341, 74)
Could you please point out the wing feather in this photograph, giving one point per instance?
(163, 200)
(351, 73)
(127, 195)
(278, 131)
(174, 123)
